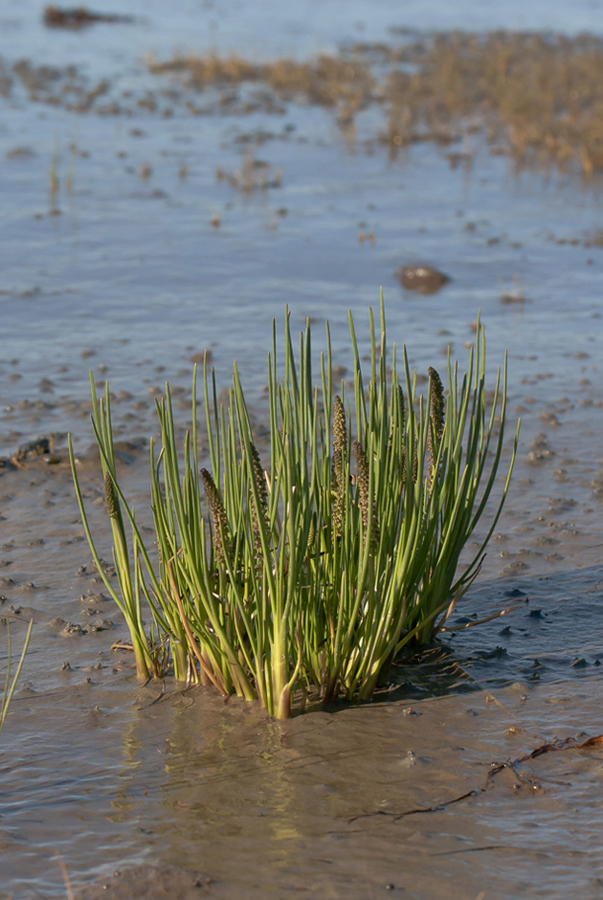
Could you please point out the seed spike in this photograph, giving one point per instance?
(436, 422)
(340, 432)
(401, 409)
(337, 475)
(219, 517)
(311, 535)
(260, 477)
(438, 406)
(260, 480)
(362, 486)
(111, 498)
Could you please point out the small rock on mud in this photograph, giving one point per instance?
(38, 447)
(422, 279)
(540, 452)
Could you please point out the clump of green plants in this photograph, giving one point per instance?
(305, 574)
(9, 686)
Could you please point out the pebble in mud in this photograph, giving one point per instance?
(540, 451)
(422, 279)
(544, 541)
(38, 447)
(550, 418)
(514, 568)
(91, 597)
(72, 629)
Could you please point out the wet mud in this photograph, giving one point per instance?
(422, 279)
(337, 803)
(209, 191)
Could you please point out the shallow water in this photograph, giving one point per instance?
(129, 275)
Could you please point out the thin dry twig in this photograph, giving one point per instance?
(495, 769)
(119, 645)
(63, 868)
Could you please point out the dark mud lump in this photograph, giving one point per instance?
(422, 279)
(78, 17)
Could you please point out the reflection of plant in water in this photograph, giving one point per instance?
(514, 294)
(9, 686)
(253, 175)
(53, 181)
(309, 577)
(71, 171)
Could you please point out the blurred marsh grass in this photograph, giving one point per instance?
(53, 180)
(10, 685)
(305, 579)
(537, 98)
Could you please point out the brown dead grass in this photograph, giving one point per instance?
(540, 98)
(328, 81)
(537, 98)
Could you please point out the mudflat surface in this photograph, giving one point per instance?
(148, 218)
